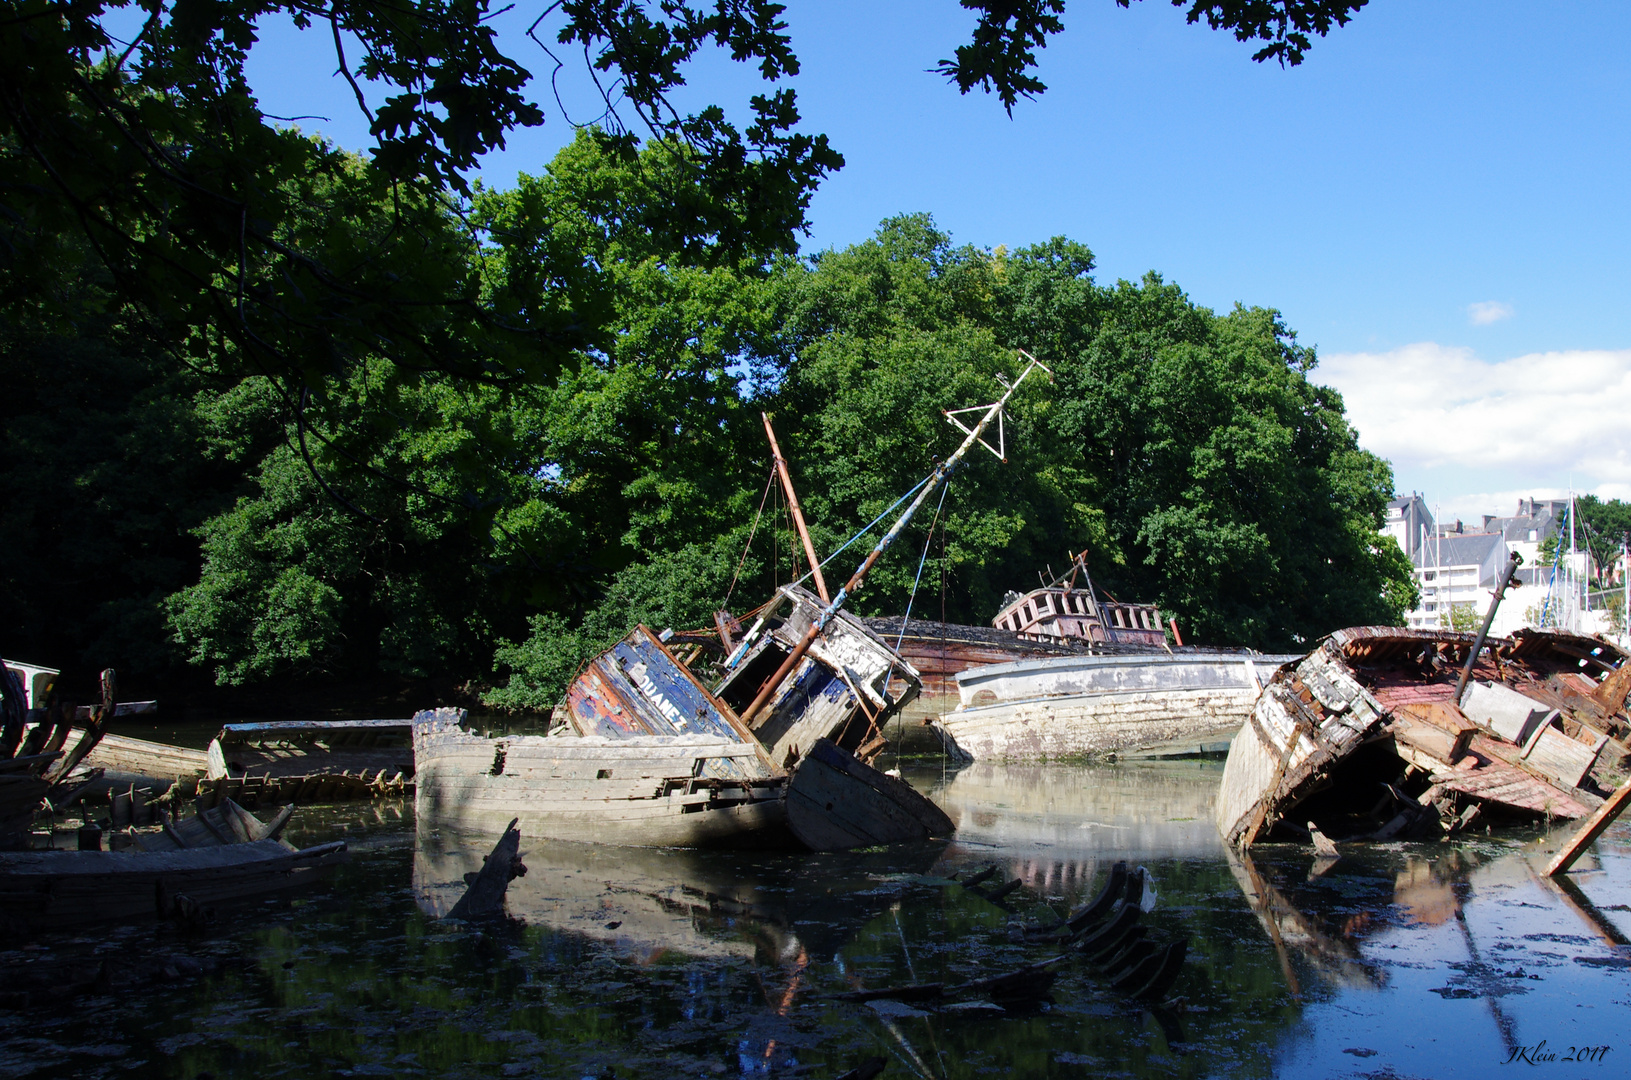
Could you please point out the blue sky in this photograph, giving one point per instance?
(1435, 199)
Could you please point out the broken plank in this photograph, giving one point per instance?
(1590, 831)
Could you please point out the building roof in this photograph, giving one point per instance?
(1517, 529)
(1458, 549)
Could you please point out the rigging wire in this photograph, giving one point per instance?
(869, 527)
(910, 600)
(751, 533)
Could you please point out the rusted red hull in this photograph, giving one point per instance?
(1374, 709)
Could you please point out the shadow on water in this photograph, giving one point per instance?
(1406, 960)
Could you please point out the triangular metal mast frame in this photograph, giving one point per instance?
(942, 472)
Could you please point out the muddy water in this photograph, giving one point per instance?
(1402, 960)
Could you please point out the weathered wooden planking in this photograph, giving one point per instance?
(1081, 706)
(813, 704)
(143, 757)
(1066, 728)
(641, 791)
(638, 688)
(835, 802)
(1561, 757)
(1291, 744)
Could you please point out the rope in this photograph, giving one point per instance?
(910, 600)
(870, 527)
(751, 533)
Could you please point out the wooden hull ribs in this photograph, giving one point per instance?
(1083, 706)
(1364, 737)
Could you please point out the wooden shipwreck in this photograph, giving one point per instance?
(1062, 608)
(40, 751)
(651, 754)
(1366, 736)
(317, 760)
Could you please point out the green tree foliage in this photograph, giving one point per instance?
(404, 520)
(1001, 52)
(240, 242)
(1604, 526)
(104, 468)
(1188, 451)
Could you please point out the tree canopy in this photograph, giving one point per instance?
(277, 409)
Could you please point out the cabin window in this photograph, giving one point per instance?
(1119, 620)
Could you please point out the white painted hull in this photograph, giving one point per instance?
(1079, 707)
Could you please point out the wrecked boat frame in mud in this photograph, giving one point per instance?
(653, 756)
(1373, 735)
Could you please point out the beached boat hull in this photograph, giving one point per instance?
(1078, 707)
(1388, 693)
(646, 791)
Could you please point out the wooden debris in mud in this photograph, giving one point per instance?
(35, 759)
(1590, 831)
(1378, 705)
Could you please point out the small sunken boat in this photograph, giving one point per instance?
(652, 757)
(222, 854)
(316, 761)
(1374, 735)
(128, 763)
(1186, 701)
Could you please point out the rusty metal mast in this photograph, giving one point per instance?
(793, 505)
(942, 472)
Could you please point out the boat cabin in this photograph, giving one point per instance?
(1062, 609)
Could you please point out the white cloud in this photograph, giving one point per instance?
(1485, 312)
(1554, 418)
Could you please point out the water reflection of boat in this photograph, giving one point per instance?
(1064, 827)
(647, 902)
(1136, 810)
(1334, 955)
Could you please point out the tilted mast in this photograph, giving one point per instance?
(941, 473)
